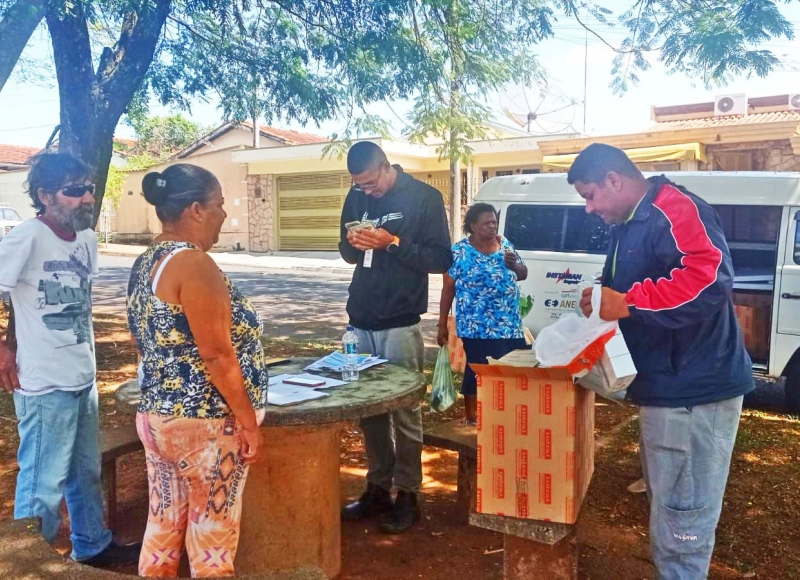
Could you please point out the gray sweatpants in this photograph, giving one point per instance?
(686, 456)
(394, 440)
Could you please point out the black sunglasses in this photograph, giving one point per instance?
(78, 190)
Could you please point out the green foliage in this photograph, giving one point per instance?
(157, 139)
(116, 176)
(471, 50)
(712, 41)
(160, 137)
(312, 60)
(298, 60)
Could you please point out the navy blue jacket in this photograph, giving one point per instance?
(675, 269)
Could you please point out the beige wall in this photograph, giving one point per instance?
(136, 219)
(12, 193)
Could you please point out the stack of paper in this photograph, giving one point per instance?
(282, 394)
(328, 383)
(517, 358)
(334, 362)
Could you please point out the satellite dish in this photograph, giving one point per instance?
(543, 109)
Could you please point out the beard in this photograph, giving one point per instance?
(77, 219)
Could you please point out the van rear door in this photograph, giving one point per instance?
(789, 303)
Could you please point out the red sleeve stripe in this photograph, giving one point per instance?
(699, 265)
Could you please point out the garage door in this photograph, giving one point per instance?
(309, 207)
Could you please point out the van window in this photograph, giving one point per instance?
(752, 235)
(556, 228)
(797, 242)
(750, 223)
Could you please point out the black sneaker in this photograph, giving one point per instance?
(115, 555)
(374, 501)
(403, 516)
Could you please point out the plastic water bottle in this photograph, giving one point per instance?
(350, 352)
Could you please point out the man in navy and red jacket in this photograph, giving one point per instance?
(668, 279)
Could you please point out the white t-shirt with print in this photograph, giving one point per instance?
(50, 283)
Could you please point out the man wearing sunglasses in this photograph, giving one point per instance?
(398, 235)
(47, 265)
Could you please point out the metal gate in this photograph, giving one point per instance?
(309, 209)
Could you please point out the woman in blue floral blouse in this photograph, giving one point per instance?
(483, 281)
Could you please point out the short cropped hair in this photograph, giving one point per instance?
(363, 156)
(593, 164)
(474, 214)
(52, 171)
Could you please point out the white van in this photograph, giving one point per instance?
(9, 219)
(545, 219)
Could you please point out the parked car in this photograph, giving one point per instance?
(545, 219)
(9, 218)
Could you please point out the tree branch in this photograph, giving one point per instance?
(16, 28)
(122, 71)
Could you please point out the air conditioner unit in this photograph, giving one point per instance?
(794, 102)
(730, 105)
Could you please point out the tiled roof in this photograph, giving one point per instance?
(16, 154)
(288, 136)
(727, 121)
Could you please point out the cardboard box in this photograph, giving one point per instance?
(755, 324)
(458, 358)
(535, 442)
(614, 371)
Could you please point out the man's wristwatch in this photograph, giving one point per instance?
(394, 245)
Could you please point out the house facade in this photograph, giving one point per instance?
(13, 175)
(287, 194)
(136, 220)
(296, 193)
(694, 137)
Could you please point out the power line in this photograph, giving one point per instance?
(26, 128)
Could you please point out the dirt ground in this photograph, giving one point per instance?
(758, 534)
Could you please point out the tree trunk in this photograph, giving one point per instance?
(455, 200)
(93, 102)
(457, 63)
(16, 28)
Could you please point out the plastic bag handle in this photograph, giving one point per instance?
(597, 299)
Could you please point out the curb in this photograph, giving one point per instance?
(332, 269)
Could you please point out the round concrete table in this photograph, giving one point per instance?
(292, 495)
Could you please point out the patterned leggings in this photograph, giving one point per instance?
(196, 478)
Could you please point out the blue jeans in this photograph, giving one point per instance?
(686, 455)
(59, 457)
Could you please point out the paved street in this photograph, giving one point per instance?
(293, 304)
(309, 305)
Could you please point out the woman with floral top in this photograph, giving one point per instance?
(483, 282)
(203, 378)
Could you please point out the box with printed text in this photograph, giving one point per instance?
(535, 442)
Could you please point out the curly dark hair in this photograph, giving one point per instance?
(50, 172)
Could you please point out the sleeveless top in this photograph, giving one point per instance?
(174, 379)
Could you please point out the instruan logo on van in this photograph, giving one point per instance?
(566, 276)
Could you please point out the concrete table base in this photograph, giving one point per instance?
(291, 500)
(525, 559)
(290, 514)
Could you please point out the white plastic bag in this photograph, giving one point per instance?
(558, 344)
